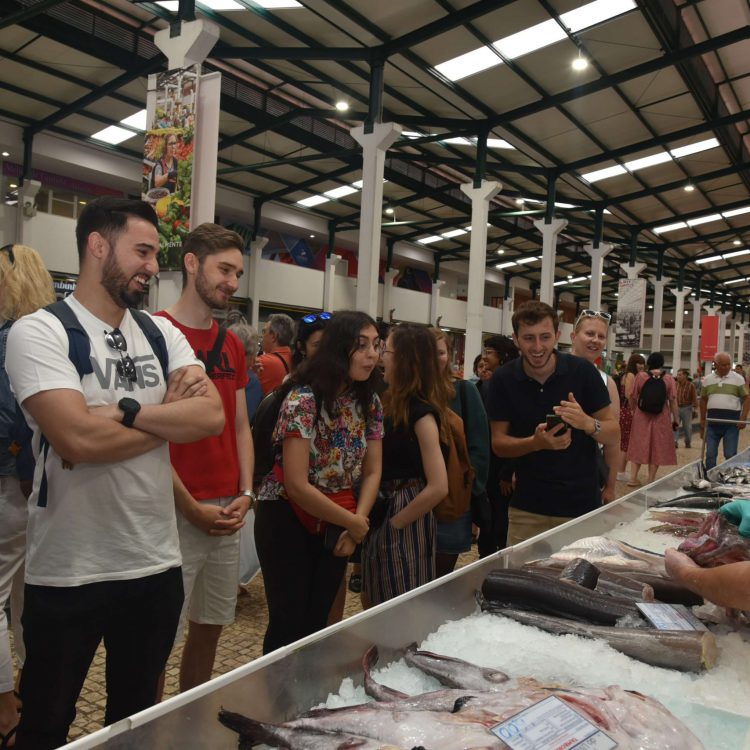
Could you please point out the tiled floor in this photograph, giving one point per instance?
(242, 642)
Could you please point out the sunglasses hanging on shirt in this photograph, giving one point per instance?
(125, 366)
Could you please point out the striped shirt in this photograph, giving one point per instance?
(686, 395)
(724, 395)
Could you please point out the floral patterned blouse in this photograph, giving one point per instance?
(337, 445)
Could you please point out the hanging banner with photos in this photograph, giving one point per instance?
(168, 157)
(631, 308)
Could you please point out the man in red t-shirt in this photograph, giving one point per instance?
(276, 361)
(213, 477)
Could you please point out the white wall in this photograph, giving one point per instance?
(54, 238)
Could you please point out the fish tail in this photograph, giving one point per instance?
(251, 732)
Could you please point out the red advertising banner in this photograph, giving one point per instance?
(709, 337)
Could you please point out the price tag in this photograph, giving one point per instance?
(670, 616)
(551, 724)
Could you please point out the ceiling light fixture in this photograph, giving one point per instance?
(736, 242)
(689, 188)
(500, 251)
(389, 211)
(5, 153)
(342, 106)
(580, 62)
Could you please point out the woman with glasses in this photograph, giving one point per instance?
(454, 537)
(589, 340)
(399, 554)
(25, 286)
(327, 440)
(165, 170)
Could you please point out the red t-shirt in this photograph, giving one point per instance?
(274, 372)
(209, 468)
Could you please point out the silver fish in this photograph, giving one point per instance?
(600, 549)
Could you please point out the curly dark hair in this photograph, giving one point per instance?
(303, 331)
(327, 373)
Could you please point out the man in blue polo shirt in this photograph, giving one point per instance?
(556, 466)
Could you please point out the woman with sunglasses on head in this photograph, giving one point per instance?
(589, 340)
(399, 553)
(454, 537)
(307, 337)
(25, 286)
(327, 439)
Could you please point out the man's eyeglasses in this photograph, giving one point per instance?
(125, 367)
(9, 249)
(594, 314)
(316, 316)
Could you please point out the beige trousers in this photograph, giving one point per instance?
(522, 525)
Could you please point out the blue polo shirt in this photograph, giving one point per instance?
(552, 483)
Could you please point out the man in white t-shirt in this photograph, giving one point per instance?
(103, 557)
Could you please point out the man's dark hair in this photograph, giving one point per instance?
(532, 312)
(209, 239)
(109, 216)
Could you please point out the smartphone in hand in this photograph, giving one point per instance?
(553, 421)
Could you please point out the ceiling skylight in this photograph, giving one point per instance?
(313, 200)
(735, 254)
(429, 240)
(340, 192)
(570, 281)
(725, 256)
(533, 38)
(453, 233)
(649, 161)
(507, 264)
(734, 281)
(114, 134)
(711, 259)
(735, 212)
(703, 220)
(460, 140)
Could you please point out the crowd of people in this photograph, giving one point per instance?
(134, 447)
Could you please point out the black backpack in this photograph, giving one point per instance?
(653, 395)
(264, 423)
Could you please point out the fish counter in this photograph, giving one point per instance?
(444, 617)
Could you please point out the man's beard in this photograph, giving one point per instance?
(217, 301)
(116, 284)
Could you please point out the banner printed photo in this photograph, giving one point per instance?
(631, 305)
(168, 158)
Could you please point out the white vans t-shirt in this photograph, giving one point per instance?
(102, 522)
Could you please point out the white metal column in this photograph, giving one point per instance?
(374, 145)
(679, 320)
(480, 206)
(598, 254)
(549, 248)
(256, 253)
(329, 281)
(659, 285)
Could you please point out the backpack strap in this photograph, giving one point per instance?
(79, 346)
(283, 361)
(214, 356)
(155, 337)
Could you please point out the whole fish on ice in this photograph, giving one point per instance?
(600, 549)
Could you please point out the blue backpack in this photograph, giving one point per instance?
(79, 353)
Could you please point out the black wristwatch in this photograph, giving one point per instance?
(129, 407)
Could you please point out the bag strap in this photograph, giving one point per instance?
(155, 337)
(283, 361)
(79, 346)
(214, 356)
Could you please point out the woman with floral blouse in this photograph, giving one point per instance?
(327, 440)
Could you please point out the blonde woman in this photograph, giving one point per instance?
(25, 286)
(454, 537)
(589, 339)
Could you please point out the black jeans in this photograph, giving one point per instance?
(493, 534)
(301, 578)
(62, 628)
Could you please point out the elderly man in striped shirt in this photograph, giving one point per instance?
(724, 396)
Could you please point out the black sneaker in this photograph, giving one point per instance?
(355, 583)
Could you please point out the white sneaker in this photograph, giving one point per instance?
(623, 476)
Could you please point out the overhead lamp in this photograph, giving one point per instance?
(736, 242)
(570, 275)
(5, 153)
(312, 236)
(520, 201)
(389, 211)
(689, 188)
(580, 62)
(500, 251)
(342, 106)
(12, 185)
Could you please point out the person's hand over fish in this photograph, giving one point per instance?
(738, 512)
